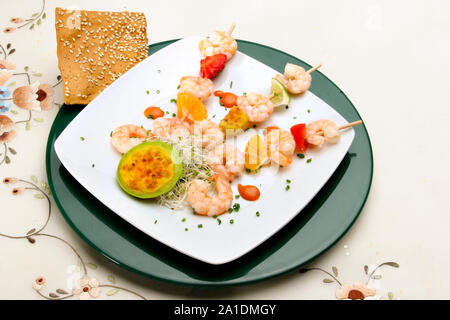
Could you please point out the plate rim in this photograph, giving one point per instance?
(232, 282)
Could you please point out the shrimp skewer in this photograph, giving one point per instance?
(125, 137)
(197, 86)
(296, 79)
(219, 42)
(280, 146)
(345, 126)
(208, 132)
(206, 204)
(227, 160)
(171, 127)
(258, 107)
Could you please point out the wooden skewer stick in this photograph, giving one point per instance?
(230, 31)
(345, 126)
(314, 68)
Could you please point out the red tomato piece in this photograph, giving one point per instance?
(212, 65)
(299, 133)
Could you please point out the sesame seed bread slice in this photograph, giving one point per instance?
(95, 48)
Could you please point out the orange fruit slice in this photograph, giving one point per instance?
(255, 153)
(190, 107)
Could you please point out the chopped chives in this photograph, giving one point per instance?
(309, 160)
(257, 213)
(82, 138)
(231, 221)
(287, 188)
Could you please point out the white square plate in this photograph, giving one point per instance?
(124, 102)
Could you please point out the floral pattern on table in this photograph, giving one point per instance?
(31, 99)
(358, 290)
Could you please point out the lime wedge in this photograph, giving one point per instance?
(281, 97)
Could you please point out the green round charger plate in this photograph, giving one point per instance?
(320, 224)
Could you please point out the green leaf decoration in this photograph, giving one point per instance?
(35, 14)
(376, 277)
(8, 46)
(392, 264)
(11, 84)
(38, 119)
(7, 160)
(39, 22)
(112, 292)
(111, 279)
(11, 51)
(335, 271)
(58, 77)
(32, 27)
(39, 196)
(26, 68)
(53, 295)
(366, 270)
(27, 126)
(38, 74)
(14, 152)
(327, 280)
(31, 231)
(44, 16)
(31, 240)
(13, 111)
(390, 295)
(91, 265)
(35, 179)
(61, 291)
(44, 185)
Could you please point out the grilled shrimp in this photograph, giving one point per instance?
(258, 107)
(171, 127)
(125, 137)
(328, 129)
(208, 132)
(280, 146)
(219, 42)
(227, 160)
(205, 201)
(296, 79)
(199, 87)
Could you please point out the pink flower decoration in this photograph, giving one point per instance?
(87, 288)
(358, 291)
(9, 29)
(16, 20)
(10, 180)
(6, 70)
(16, 191)
(38, 283)
(7, 132)
(34, 97)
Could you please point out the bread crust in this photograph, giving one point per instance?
(95, 48)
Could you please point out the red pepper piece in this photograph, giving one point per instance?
(299, 133)
(212, 65)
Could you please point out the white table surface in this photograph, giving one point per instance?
(391, 58)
